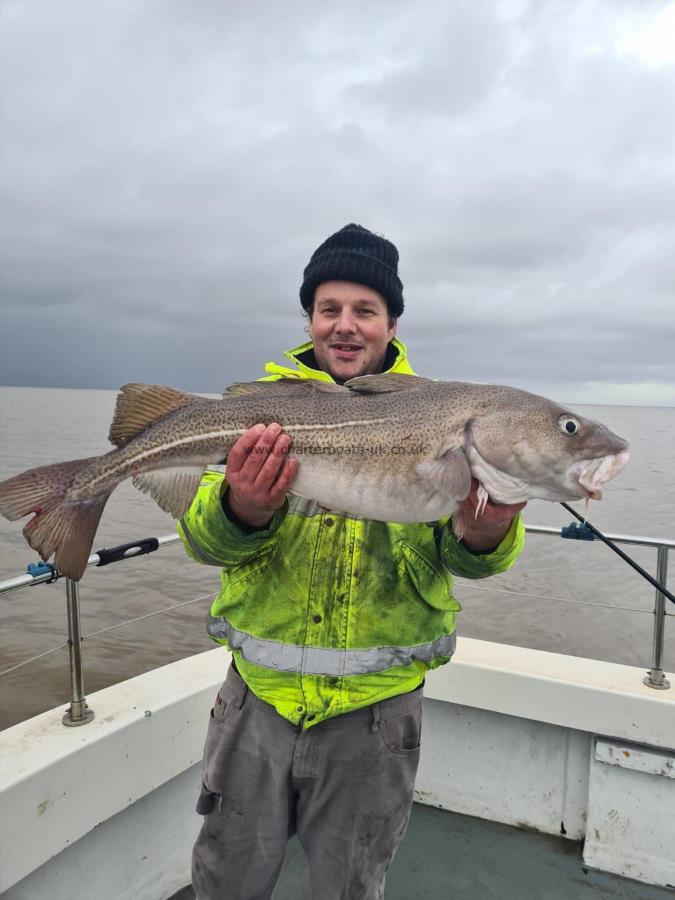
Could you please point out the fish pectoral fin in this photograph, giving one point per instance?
(450, 474)
(386, 383)
(172, 489)
(141, 405)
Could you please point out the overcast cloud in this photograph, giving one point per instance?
(167, 169)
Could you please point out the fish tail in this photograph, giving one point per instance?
(60, 525)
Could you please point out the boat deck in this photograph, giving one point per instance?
(450, 855)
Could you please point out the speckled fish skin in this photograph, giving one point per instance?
(386, 447)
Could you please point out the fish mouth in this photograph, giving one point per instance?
(582, 480)
(588, 475)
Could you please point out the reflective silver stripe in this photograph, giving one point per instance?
(300, 506)
(322, 661)
(196, 549)
(303, 507)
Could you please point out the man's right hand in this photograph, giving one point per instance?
(259, 473)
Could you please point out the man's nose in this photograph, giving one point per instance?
(346, 321)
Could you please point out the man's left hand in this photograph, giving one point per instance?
(483, 533)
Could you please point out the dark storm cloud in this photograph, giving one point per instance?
(168, 168)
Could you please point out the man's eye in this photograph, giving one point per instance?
(366, 312)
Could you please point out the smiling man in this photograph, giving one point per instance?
(333, 622)
(351, 328)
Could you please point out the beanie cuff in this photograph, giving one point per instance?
(357, 264)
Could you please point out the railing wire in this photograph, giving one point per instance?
(480, 587)
(655, 677)
(93, 634)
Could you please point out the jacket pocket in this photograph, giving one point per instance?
(432, 582)
(243, 571)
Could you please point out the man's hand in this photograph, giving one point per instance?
(484, 532)
(259, 473)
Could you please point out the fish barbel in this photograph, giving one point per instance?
(395, 448)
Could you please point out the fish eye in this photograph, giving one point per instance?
(569, 425)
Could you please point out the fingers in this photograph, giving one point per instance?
(495, 514)
(271, 453)
(285, 478)
(259, 470)
(257, 450)
(239, 454)
(490, 512)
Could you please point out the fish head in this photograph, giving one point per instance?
(537, 449)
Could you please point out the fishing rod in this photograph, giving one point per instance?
(624, 556)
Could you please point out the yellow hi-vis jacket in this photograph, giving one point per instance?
(326, 613)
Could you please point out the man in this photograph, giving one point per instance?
(333, 622)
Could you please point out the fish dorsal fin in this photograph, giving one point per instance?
(449, 474)
(242, 388)
(314, 384)
(172, 489)
(386, 383)
(140, 405)
(260, 387)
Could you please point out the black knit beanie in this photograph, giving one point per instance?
(355, 254)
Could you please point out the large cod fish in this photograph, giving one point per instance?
(396, 448)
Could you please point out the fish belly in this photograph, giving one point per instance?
(370, 492)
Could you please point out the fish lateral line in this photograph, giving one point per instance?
(230, 433)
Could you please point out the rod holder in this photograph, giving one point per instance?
(655, 677)
(78, 713)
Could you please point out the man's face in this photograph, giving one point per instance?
(350, 327)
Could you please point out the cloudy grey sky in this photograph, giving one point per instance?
(167, 168)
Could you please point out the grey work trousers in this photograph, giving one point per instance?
(344, 786)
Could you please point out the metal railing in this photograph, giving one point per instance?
(79, 713)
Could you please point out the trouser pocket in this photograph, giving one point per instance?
(207, 801)
(402, 733)
(221, 735)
